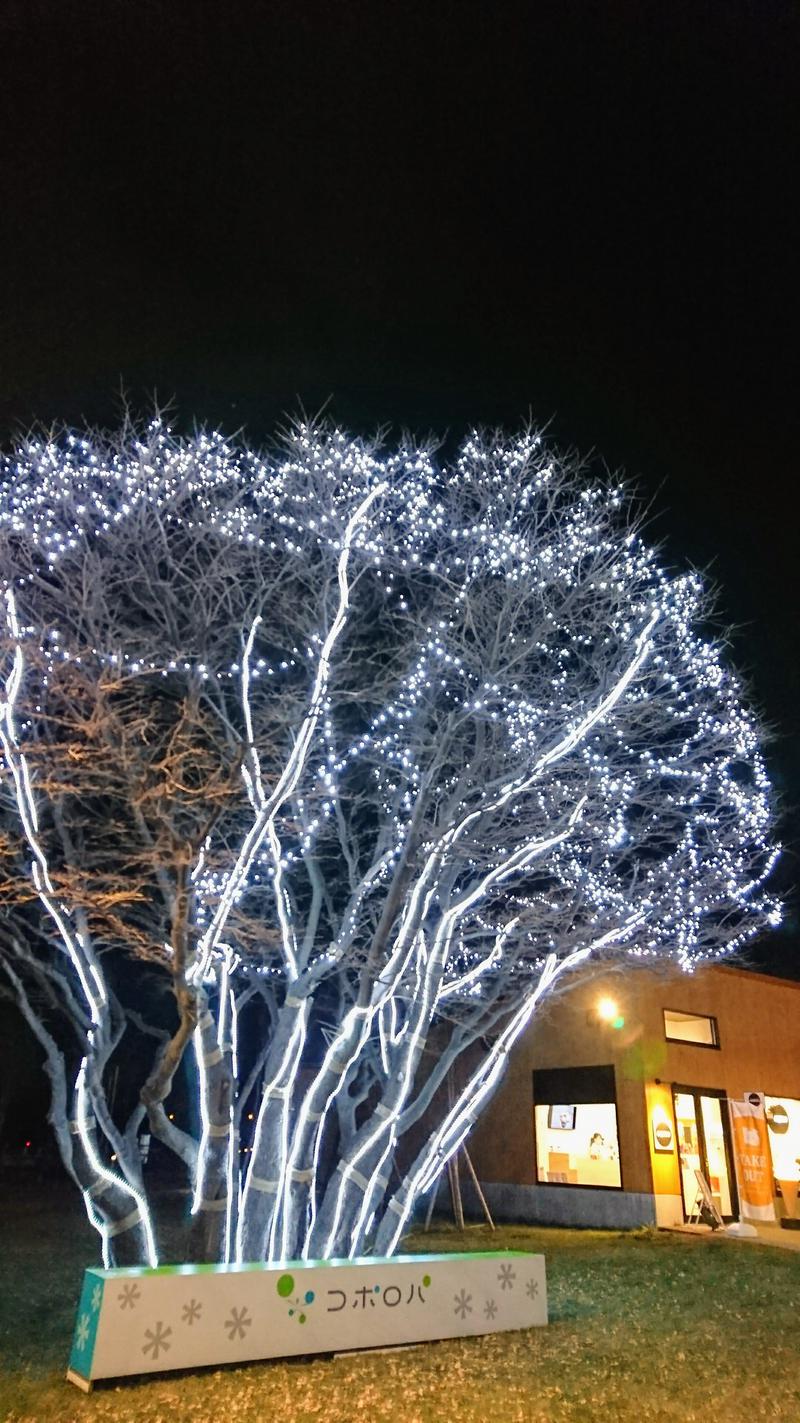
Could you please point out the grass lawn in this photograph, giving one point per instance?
(643, 1326)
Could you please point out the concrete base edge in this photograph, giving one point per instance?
(558, 1205)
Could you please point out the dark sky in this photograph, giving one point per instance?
(435, 214)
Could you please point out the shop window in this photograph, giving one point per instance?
(783, 1130)
(694, 1028)
(575, 1123)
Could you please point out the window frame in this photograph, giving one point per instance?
(692, 1042)
(721, 1094)
(575, 1185)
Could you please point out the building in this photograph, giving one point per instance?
(628, 1085)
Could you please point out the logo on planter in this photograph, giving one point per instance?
(299, 1303)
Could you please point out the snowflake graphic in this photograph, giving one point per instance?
(157, 1339)
(191, 1311)
(128, 1296)
(506, 1277)
(490, 1309)
(82, 1331)
(463, 1304)
(238, 1323)
(532, 1289)
(97, 1295)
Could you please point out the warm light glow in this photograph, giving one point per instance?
(607, 1010)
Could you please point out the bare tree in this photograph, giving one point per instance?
(362, 756)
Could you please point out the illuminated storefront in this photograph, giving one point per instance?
(644, 1099)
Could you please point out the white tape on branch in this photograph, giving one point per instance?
(119, 1227)
(258, 1183)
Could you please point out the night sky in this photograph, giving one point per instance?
(434, 215)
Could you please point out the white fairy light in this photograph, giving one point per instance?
(103, 1173)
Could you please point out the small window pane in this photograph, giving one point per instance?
(577, 1145)
(691, 1028)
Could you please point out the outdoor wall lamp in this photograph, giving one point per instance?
(606, 1010)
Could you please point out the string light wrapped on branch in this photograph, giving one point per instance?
(360, 753)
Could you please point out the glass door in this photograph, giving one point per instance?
(704, 1145)
(716, 1155)
(688, 1147)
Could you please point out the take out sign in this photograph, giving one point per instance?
(753, 1157)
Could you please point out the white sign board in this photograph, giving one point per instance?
(143, 1320)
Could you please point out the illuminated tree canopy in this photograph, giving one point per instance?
(360, 754)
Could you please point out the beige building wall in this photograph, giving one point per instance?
(758, 1020)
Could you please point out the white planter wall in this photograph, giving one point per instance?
(141, 1320)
